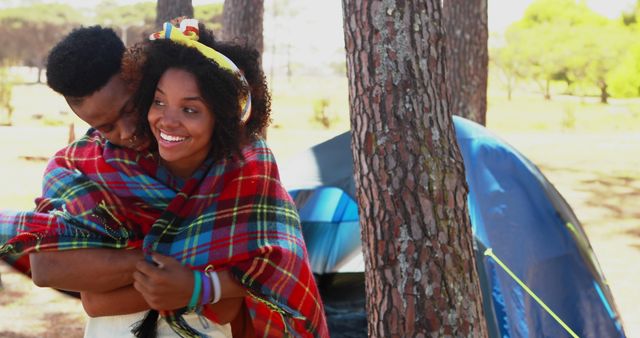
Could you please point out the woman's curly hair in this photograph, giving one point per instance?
(144, 63)
(221, 90)
(248, 60)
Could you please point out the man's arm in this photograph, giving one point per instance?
(121, 301)
(96, 270)
(128, 300)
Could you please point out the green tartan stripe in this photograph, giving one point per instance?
(72, 191)
(190, 244)
(79, 244)
(291, 216)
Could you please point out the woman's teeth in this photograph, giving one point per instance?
(171, 138)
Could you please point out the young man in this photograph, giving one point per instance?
(84, 67)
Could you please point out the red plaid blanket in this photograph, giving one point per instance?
(233, 214)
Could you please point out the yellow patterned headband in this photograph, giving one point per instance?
(187, 34)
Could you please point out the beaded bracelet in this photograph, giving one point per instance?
(197, 284)
(206, 288)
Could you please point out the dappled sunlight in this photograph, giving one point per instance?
(620, 195)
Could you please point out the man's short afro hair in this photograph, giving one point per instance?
(84, 61)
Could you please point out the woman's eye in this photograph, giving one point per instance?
(157, 102)
(190, 110)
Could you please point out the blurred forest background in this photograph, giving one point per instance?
(564, 89)
(559, 48)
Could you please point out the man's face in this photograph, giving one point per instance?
(110, 111)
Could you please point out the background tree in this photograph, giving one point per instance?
(565, 41)
(132, 22)
(211, 15)
(242, 22)
(630, 17)
(538, 51)
(417, 239)
(282, 14)
(506, 62)
(467, 57)
(135, 22)
(625, 78)
(594, 54)
(27, 39)
(6, 109)
(169, 9)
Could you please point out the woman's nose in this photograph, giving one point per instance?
(170, 117)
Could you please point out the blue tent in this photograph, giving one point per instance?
(514, 210)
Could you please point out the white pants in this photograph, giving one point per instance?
(120, 326)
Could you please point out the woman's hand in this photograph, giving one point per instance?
(167, 286)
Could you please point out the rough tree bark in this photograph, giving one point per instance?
(242, 22)
(169, 9)
(417, 240)
(467, 57)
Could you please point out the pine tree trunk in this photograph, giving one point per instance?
(169, 9)
(417, 240)
(547, 90)
(467, 57)
(242, 22)
(604, 94)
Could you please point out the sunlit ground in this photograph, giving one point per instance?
(588, 151)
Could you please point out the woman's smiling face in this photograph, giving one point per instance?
(181, 122)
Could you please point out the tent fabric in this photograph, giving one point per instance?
(331, 225)
(517, 212)
(328, 164)
(514, 210)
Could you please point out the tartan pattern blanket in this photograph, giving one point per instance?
(232, 214)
